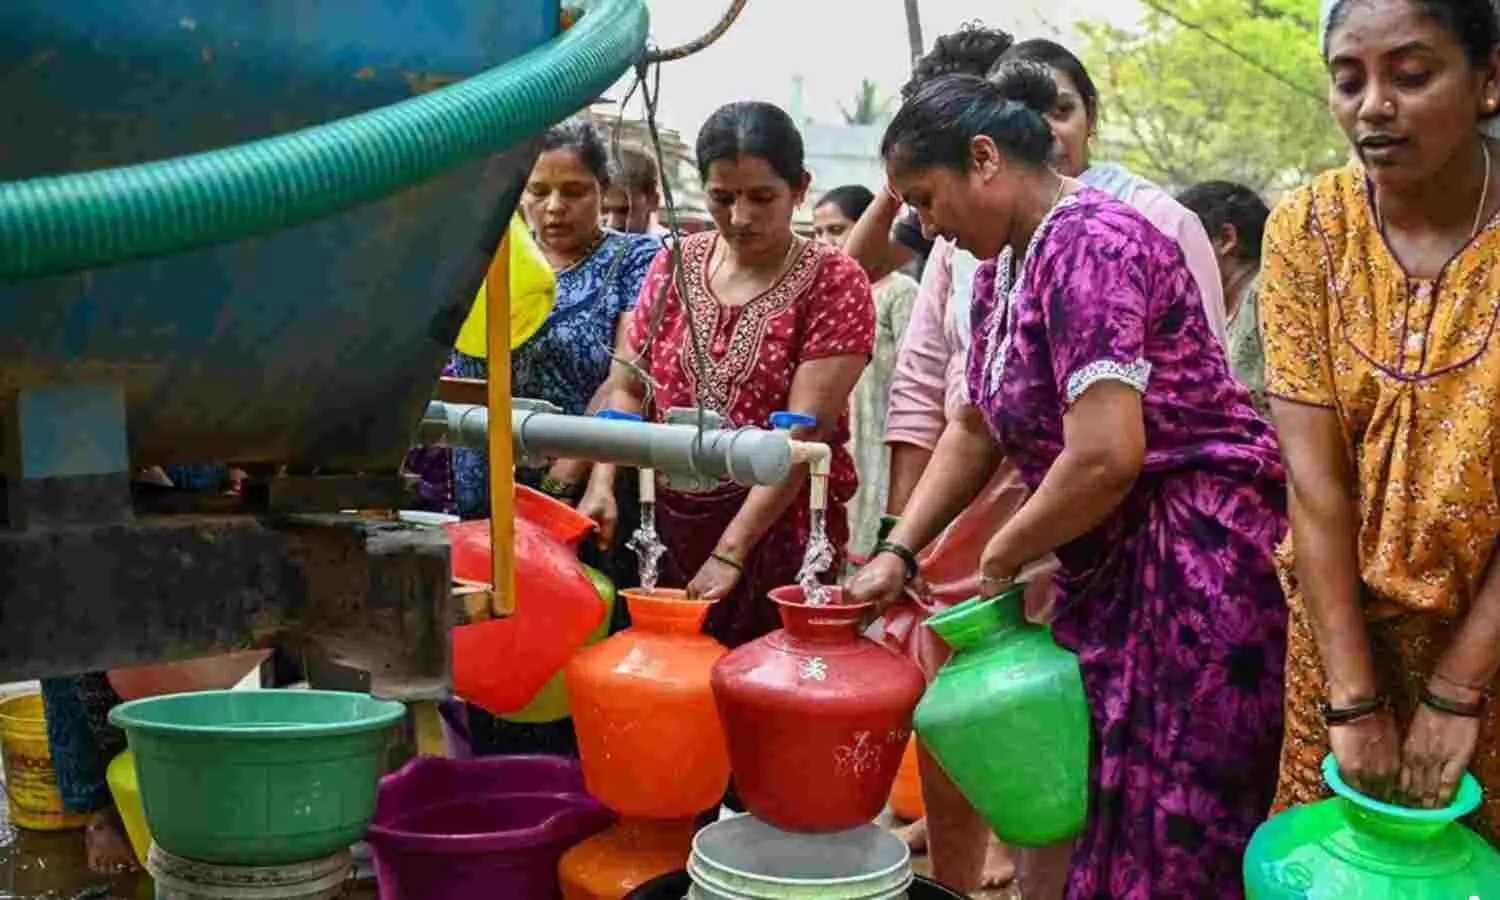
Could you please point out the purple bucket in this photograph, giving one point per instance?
(497, 826)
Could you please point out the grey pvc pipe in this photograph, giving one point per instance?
(746, 456)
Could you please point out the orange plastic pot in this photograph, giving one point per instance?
(648, 731)
(610, 865)
(906, 794)
(500, 665)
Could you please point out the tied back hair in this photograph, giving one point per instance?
(851, 200)
(752, 128)
(1026, 82)
(938, 125)
(971, 50)
(584, 139)
(1058, 58)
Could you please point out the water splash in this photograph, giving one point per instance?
(648, 548)
(816, 561)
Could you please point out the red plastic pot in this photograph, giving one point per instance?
(500, 665)
(816, 717)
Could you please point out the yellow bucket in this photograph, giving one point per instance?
(126, 789)
(30, 780)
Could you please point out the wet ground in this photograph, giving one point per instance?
(42, 866)
(923, 868)
(51, 866)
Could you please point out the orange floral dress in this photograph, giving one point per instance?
(1412, 368)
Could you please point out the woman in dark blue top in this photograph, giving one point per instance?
(599, 273)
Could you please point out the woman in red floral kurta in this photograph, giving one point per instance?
(786, 324)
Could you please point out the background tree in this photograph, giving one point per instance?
(1231, 89)
(869, 107)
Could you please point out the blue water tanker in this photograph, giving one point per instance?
(248, 233)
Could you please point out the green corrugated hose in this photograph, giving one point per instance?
(68, 223)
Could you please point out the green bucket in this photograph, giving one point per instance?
(258, 778)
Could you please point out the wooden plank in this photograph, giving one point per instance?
(471, 391)
(475, 598)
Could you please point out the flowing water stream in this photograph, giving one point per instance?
(648, 548)
(816, 561)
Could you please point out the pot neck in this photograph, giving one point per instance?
(1399, 824)
(981, 619)
(831, 623)
(665, 611)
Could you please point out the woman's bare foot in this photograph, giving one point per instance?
(999, 868)
(914, 835)
(108, 847)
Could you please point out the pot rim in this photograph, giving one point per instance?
(1465, 801)
(569, 806)
(781, 596)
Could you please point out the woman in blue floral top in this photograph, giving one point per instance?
(599, 274)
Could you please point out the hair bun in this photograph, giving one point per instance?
(1028, 83)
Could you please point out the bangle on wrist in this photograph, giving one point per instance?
(1461, 685)
(728, 560)
(1334, 716)
(561, 490)
(908, 558)
(1460, 708)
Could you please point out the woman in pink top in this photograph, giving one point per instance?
(1074, 119)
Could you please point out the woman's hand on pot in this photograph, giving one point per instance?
(1438, 749)
(997, 571)
(1368, 751)
(879, 583)
(599, 504)
(715, 579)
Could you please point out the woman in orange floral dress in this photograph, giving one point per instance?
(1379, 306)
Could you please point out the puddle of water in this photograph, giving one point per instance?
(37, 865)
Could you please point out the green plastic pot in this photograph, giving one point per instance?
(551, 703)
(1352, 847)
(1007, 720)
(258, 778)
